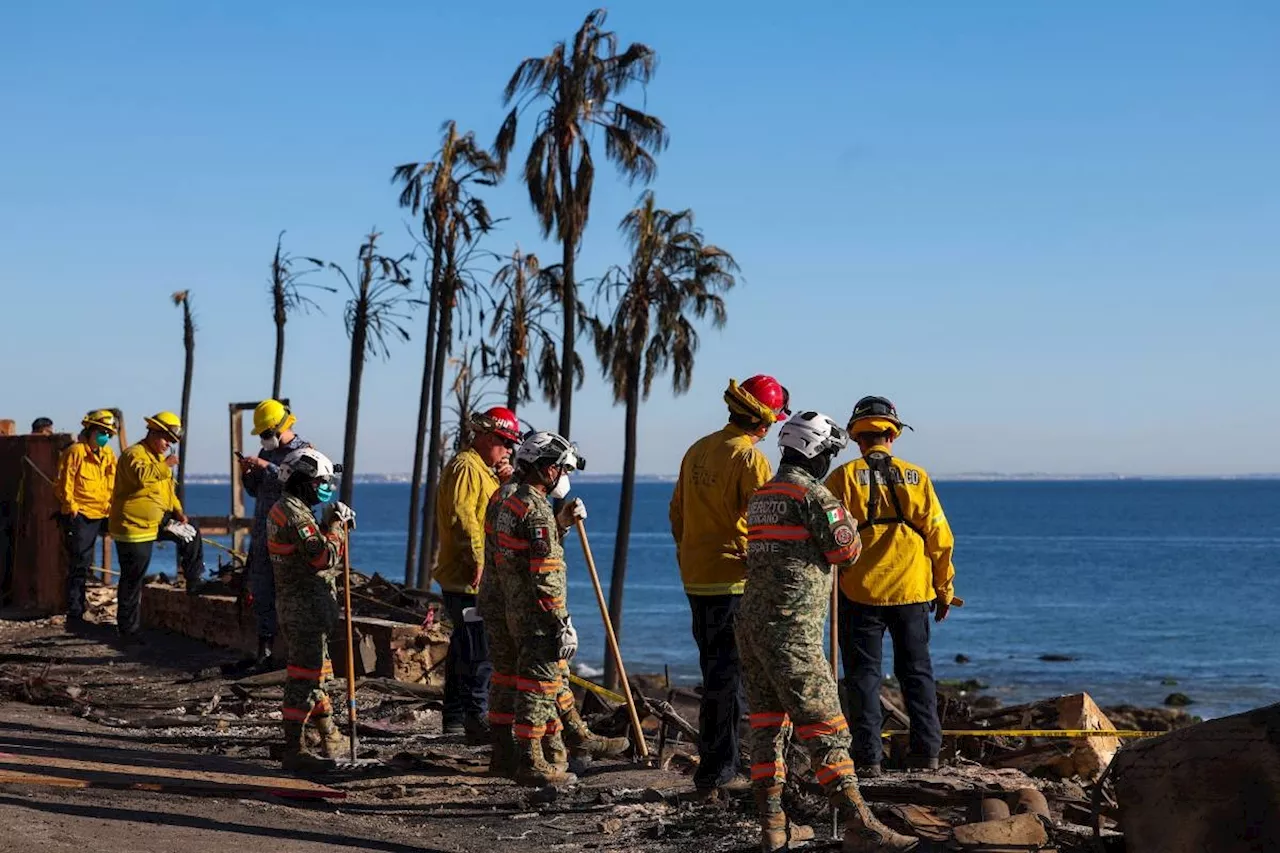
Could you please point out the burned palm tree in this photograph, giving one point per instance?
(470, 394)
(376, 314)
(183, 298)
(579, 82)
(673, 279)
(522, 300)
(287, 295)
(442, 192)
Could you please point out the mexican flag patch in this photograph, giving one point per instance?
(308, 530)
(835, 516)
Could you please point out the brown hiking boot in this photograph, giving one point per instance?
(863, 833)
(776, 832)
(333, 743)
(553, 750)
(532, 768)
(296, 758)
(502, 760)
(584, 743)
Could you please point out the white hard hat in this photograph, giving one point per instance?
(811, 434)
(547, 448)
(309, 463)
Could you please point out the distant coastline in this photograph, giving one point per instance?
(972, 477)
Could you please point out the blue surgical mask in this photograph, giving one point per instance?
(325, 493)
(102, 439)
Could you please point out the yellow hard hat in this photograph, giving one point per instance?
(272, 415)
(167, 423)
(104, 419)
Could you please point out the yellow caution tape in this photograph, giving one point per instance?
(1058, 733)
(230, 551)
(602, 692)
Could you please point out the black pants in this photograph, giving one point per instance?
(135, 559)
(467, 667)
(80, 535)
(722, 697)
(862, 630)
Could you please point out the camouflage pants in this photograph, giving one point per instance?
(504, 652)
(789, 683)
(308, 671)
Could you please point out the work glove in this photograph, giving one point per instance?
(572, 512)
(568, 640)
(339, 513)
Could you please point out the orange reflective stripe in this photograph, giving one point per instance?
(327, 668)
(768, 770)
(550, 604)
(497, 719)
(548, 564)
(519, 507)
(303, 673)
(528, 732)
(553, 727)
(769, 720)
(295, 715)
(777, 532)
(319, 561)
(507, 541)
(324, 706)
(274, 547)
(502, 679)
(830, 772)
(826, 727)
(277, 515)
(841, 555)
(532, 685)
(790, 490)
(565, 700)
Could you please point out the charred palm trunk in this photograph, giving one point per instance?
(279, 368)
(626, 503)
(569, 298)
(359, 334)
(416, 572)
(443, 341)
(188, 344)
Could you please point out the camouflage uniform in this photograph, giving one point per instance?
(796, 531)
(305, 560)
(523, 591)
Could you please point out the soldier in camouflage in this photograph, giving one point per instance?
(306, 556)
(796, 531)
(504, 652)
(527, 556)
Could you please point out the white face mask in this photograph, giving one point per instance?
(271, 443)
(561, 488)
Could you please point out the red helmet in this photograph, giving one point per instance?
(500, 421)
(769, 391)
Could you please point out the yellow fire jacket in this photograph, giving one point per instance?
(144, 491)
(718, 476)
(85, 477)
(466, 485)
(906, 557)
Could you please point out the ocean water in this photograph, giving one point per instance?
(1141, 582)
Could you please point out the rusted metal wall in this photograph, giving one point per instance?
(33, 563)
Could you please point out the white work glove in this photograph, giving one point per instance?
(340, 512)
(181, 530)
(568, 639)
(572, 512)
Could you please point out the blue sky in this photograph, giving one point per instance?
(1047, 230)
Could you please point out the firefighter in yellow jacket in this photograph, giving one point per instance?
(718, 476)
(86, 476)
(466, 485)
(905, 574)
(144, 508)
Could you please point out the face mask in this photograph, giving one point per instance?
(324, 493)
(102, 439)
(271, 443)
(561, 488)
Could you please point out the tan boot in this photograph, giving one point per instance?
(584, 743)
(502, 760)
(532, 768)
(333, 743)
(296, 758)
(776, 832)
(863, 833)
(555, 753)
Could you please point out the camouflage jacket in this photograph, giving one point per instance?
(305, 560)
(524, 553)
(796, 530)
